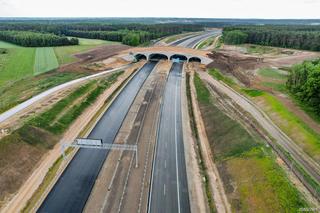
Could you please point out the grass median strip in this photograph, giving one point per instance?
(253, 180)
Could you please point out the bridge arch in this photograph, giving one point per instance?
(195, 59)
(140, 56)
(179, 57)
(158, 57)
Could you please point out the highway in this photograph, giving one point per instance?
(193, 41)
(73, 188)
(169, 187)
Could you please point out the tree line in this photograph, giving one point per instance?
(132, 38)
(130, 34)
(296, 37)
(36, 39)
(304, 84)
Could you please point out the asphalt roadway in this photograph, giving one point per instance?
(169, 189)
(192, 41)
(73, 188)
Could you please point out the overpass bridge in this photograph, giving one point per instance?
(169, 53)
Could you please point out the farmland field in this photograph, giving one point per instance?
(46, 60)
(16, 64)
(65, 54)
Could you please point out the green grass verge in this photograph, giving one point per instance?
(24, 89)
(45, 61)
(252, 92)
(253, 180)
(272, 73)
(206, 43)
(219, 76)
(46, 119)
(203, 169)
(280, 87)
(293, 126)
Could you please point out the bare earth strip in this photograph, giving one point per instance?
(219, 195)
(32, 183)
(196, 193)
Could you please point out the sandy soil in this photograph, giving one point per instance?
(197, 194)
(91, 56)
(231, 59)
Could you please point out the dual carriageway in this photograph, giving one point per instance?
(168, 180)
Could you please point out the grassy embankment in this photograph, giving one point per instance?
(31, 141)
(54, 169)
(288, 122)
(253, 180)
(23, 71)
(206, 43)
(203, 169)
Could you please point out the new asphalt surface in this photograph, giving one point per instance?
(73, 188)
(169, 189)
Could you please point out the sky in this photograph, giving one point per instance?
(268, 9)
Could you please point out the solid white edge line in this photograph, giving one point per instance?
(175, 128)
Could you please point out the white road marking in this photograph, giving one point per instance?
(175, 128)
(164, 189)
(165, 163)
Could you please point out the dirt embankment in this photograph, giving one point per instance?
(91, 56)
(236, 65)
(38, 150)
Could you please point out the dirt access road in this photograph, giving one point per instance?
(311, 167)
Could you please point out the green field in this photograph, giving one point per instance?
(4, 44)
(46, 60)
(254, 182)
(272, 73)
(20, 62)
(23, 89)
(17, 63)
(22, 70)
